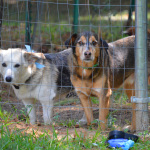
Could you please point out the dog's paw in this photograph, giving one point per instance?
(81, 122)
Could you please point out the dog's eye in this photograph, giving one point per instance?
(94, 43)
(4, 65)
(81, 43)
(16, 65)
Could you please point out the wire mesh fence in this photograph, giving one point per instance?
(45, 25)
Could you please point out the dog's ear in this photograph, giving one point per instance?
(104, 44)
(33, 57)
(70, 42)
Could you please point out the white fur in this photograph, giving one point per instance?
(44, 91)
(97, 89)
(84, 72)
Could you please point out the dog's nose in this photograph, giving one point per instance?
(8, 79)
(87, 54)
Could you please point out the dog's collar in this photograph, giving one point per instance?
(96, 65)
(16, 86)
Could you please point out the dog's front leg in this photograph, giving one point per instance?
(30, 106)
(87, 106)
(104, 105)
(47, 111)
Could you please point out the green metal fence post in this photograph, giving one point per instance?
(141, 84)
(28, 23)
(76, 15)
(131, 9)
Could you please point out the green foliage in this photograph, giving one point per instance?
(68, 124)
(94, 100)
(111, 121)
(5, 116)
(119, 97)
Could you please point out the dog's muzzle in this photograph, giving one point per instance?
(87, 55)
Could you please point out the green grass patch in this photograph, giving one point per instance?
(119, 97)
(68, 123)
(19, 140)
(95, 100)
(67, 102)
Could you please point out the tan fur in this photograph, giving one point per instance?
(80, 51)
(87, 88)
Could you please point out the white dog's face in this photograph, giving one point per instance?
(16, 65)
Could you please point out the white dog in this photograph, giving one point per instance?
(21, 69)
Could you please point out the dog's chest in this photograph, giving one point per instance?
(89, 87)
(24, 92)
(41, 92)
(84, 73)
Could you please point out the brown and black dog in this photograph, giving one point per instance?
(97, 68)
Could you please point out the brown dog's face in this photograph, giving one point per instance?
(85, 46)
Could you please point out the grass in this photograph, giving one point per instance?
(57, 33)
(54, 33)
(19, 140)
(68, 124)
(50, 140)
(67, 102)
(118, 97)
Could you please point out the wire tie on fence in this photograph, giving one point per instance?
(140, 100)
(38, 65)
